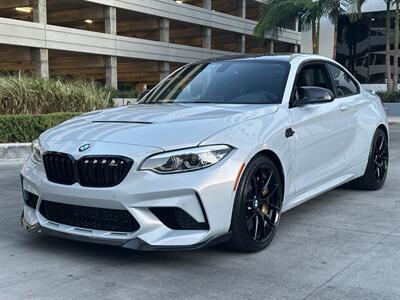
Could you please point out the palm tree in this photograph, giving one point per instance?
(396, 48)
(275, 14)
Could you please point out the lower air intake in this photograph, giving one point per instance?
(118, 220)
(177, 219)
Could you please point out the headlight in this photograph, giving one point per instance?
(186, 159)
(36, 151)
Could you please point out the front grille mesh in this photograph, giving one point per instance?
(117, 220)
(90, 171)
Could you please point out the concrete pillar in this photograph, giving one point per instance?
(111, 62)
(271, 46)
(242, 44)
(112, 71)
(164, 30)
(39, 11)
(163, 66)
(110, 19)
(206, 32)
(164, 69)
(207, 4)
(40, 56)
(41, 59)
(242, 7)
(206, 38)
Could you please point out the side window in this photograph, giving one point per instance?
(313, 75)
(345, 85)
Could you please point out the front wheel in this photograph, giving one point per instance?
(257, 207)
(378, 162)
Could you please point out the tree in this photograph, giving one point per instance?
(275, 15)
(396, 48)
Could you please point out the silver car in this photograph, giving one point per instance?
(214, 153)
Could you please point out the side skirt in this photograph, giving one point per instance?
(319, 189)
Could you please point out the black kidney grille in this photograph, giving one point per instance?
(118, 220)
(102, 171)
(90, 171)
(59, 168)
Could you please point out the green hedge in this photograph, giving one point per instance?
(32, 95)
(392, 97)
(26, 128)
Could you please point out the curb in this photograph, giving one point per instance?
(393, 120)
(17, 152)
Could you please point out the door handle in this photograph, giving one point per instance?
(343, 107)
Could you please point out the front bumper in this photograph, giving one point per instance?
(133, 244)
(206, 195)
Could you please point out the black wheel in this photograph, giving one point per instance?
(378, 162)
(257, 207)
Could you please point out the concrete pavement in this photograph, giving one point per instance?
(344, 244)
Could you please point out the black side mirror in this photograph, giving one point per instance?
(313, 95)
(142, 94)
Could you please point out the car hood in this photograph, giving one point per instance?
(165, 126)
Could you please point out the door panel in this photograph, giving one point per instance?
(321, 143)
(323, 131)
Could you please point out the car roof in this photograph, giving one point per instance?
(266, 57)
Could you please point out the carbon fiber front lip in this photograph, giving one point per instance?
(137, 243)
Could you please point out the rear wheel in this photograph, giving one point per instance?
(378, 161)
(257, 207)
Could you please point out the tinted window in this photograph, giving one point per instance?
(345, 86)
(312, 75)
(253, 82)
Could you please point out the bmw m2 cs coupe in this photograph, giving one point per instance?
(216, 152)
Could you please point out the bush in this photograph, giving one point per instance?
(391, 97)
(32, 95)
(26, 128)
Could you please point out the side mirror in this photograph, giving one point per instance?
(142, 94)
(313, 95)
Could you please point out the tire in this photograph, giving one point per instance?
(377, 166)
(257, 207)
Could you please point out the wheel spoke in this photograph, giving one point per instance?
(266, 218)
(377, 163)
(380, 148)
(256, 228)
(265, 187)
(273, 207)
(254, 185)
(378, 172)
(250, 220)
(270, 194)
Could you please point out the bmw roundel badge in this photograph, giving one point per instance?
(84, 147)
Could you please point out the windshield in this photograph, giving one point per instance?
(235, 82)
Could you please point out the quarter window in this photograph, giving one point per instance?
(345, 85)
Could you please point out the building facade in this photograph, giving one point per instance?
(128, 42)
(361, 44)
